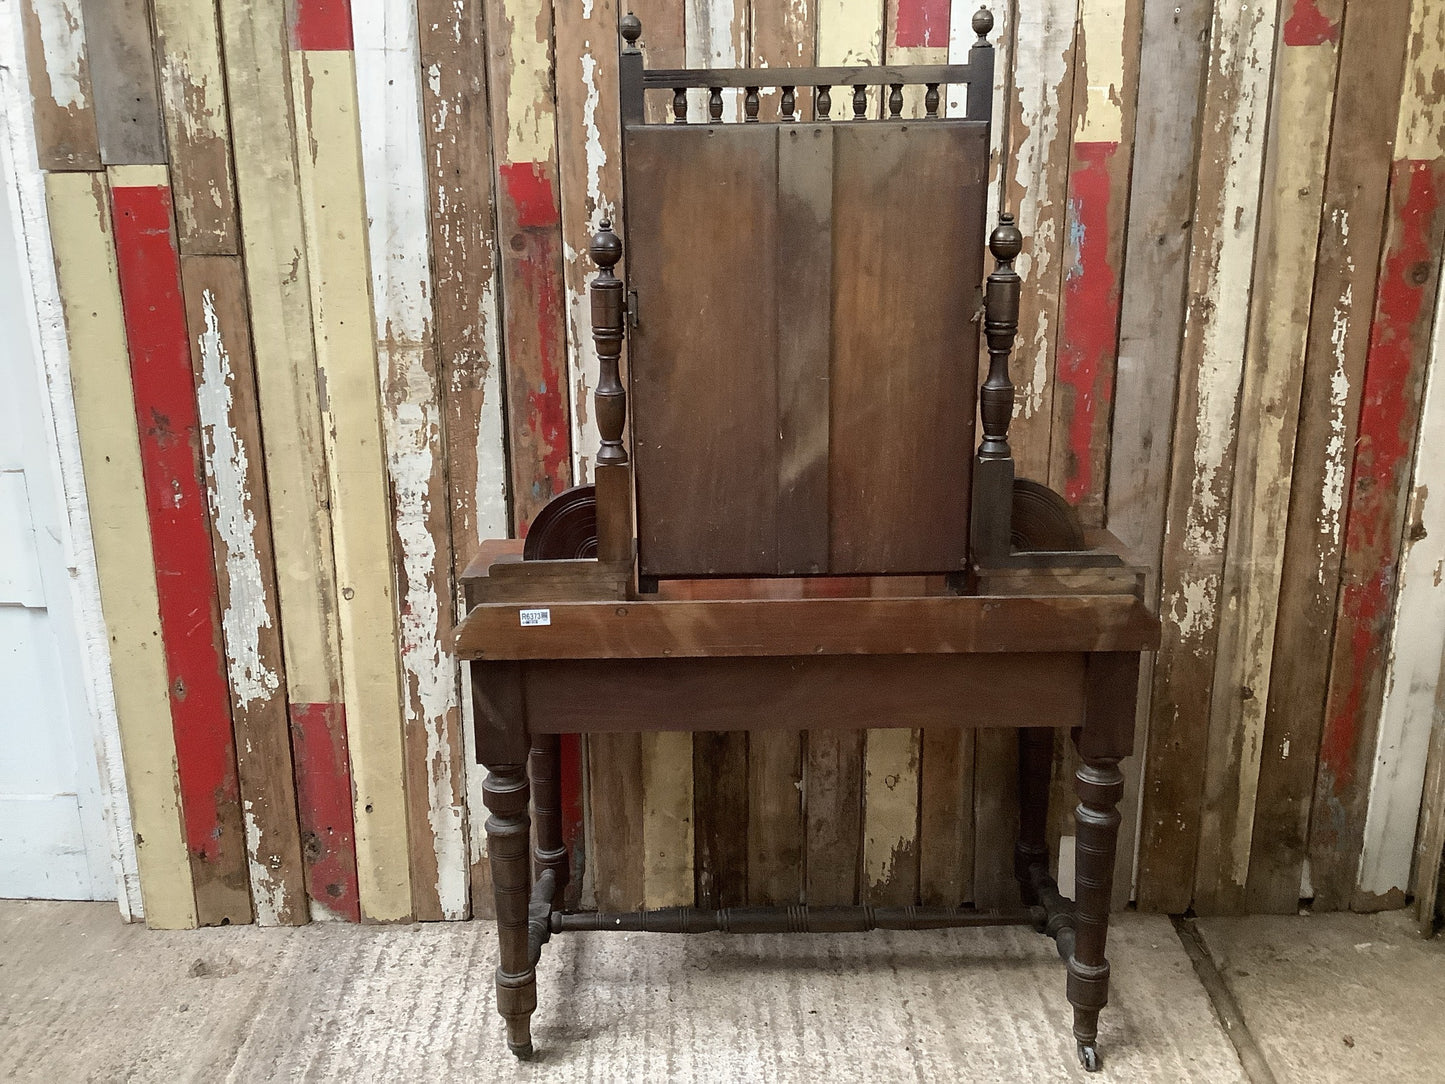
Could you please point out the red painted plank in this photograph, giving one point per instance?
(321, 24)
(170, 446)
(922, 24)
(323, 805)
(532, 209)
(1091, 312)
(1307, 25)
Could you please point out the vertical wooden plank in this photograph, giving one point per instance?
(1227, 211)
(666, 797)
(1040, 110)
(945, 817)
(40, 289)
(1298, 140)
(123, 78)
(278, 286)
(1151, 322)
(170, 444)
(389, 90)
(1372, 58)
(1430, 842)
(79, 211)
(1417, 639)
(775, 817)
(848, 32)
(466, 323)
(961, 38)
(667, 839)
(783, 35)
(1379, 493)
(890, 817)
(65, 136)
(220, 342)
(529, 237)
(193, 101)
(334, 213)
(616, 770)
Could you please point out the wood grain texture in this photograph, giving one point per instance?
(1407, 748)
(1393, 385)
(324, 96)
(1151, 325)
(720, 818)
(667, 818)
(59, 68)
(520, 77)
(1372, 57)
(388, 81)
(180, 532)
(197, 120)
(617, 824)
(945, 817)
(890, 817)
(278, 287)
(100, 380)
(122, 66)
(1298, 141)
(225, 380)
(775, 818)
(1236, 100)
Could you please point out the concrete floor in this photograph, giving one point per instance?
(84, 997)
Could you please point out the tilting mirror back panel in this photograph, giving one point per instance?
(804, 361)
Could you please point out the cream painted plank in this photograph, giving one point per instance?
(1298, 143)
(21, 150)
(193, 102)
(389, 93)
(1206, 420)
(667, 866)
(85, 261)
(890, 817)
(333, 201)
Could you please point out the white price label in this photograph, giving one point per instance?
(531, 618)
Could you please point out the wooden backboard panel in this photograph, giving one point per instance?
(908, 214)
(804, 364)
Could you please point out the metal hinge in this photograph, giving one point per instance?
(632, 308)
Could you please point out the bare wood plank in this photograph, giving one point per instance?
(388, 74)
(65, 136)
(995, 818)
(815, 626)
(180, 535)
(80, 223)
(220, 339)
(720, 818)
(1151, 322)
(197, 118)
(1372, 57)
(775, 818)
(664, 45)
(324, 96)
(667, 819)
(945, 824)
(1356, 755)
(833, 816)
(783, 36)
(256, 53)
(123, 77)
(1212, 361)
(529, 237)
(617, 827)
(1298, 141)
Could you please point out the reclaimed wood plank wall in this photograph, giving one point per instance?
(322, 271)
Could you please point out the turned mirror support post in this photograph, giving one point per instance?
(993, 469)
(613, 473)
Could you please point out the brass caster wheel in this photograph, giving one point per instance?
(1089, 1057)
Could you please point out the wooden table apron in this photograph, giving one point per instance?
(796, 664)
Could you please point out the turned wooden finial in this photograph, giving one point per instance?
(609, 401)
(982, 24)
(632, 31)
(1001, 324)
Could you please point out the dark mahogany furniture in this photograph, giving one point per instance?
(815, 542)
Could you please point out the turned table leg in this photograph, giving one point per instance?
(550, 852)
(505, 792)
(1100, 786)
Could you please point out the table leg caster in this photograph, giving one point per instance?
(1089, 1057)
(524, 1051)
